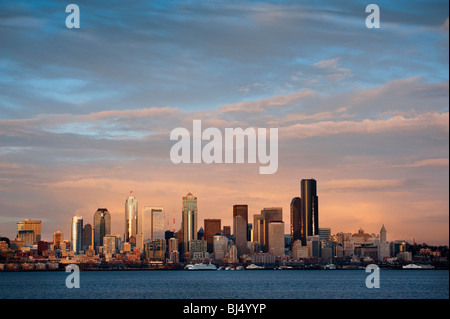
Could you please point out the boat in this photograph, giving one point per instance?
(201, 266)
(253, 266)
(330, 266)
(414, 266)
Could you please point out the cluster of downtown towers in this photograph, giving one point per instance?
(304, 222)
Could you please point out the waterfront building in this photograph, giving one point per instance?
(299, 251)
(131, 218)
(76, 234)
(198, 249)
(102, 226)
(189, 220)
(155, 250)
(240, 227)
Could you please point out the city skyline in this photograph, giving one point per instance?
(86, 114)
(268, 215)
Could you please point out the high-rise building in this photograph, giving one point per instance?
(240, 224)
(270, 214)
(131, 218)
(296, 220)
(276, 238)
(34, 225)
(258, 228)
(87, 236)
(57, 239)
(153, 223)
(212, 227)
(220, 247)
(189, 220)
(309, 209)
(383, 246)
(76, 234)
(226, 231)
(102, 226)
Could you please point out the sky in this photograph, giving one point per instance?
(86, 114)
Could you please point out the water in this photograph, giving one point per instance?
(256, 284)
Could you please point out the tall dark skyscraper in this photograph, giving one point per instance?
(102, 226)
(309, 209)
(296, 220)
(240, 224)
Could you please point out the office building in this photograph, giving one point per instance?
(324, 234)
(296, 220)
(155, 250)
(34, 225)
(153, 223)
(309, 209)
(212, 228)
(197, 249)
(269, 215)
(131, 218)
(76, 234)
(57, 239)
(27, 236)
(383, 246)
(220, 246)
(299, 251)
(189, 220)
(102, 226)
(240, 224)
(276, 238)
(258, 228)
(87, 236)
(314, 246)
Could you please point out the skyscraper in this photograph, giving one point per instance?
(76, 234)
(153, 223)
(270, 214)
(189, 220)
(276, 238)
(102, 226)
(309, 209)
(87, 236)
(240, 224)
(258, 228)
(131, 218)
(296, 220)
(212, 227)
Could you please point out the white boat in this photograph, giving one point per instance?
(201, 266)
(414, 266)
(253, 266)
(329, 266)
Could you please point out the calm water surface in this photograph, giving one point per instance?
(256, 284)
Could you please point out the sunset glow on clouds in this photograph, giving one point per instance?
(86, 114)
